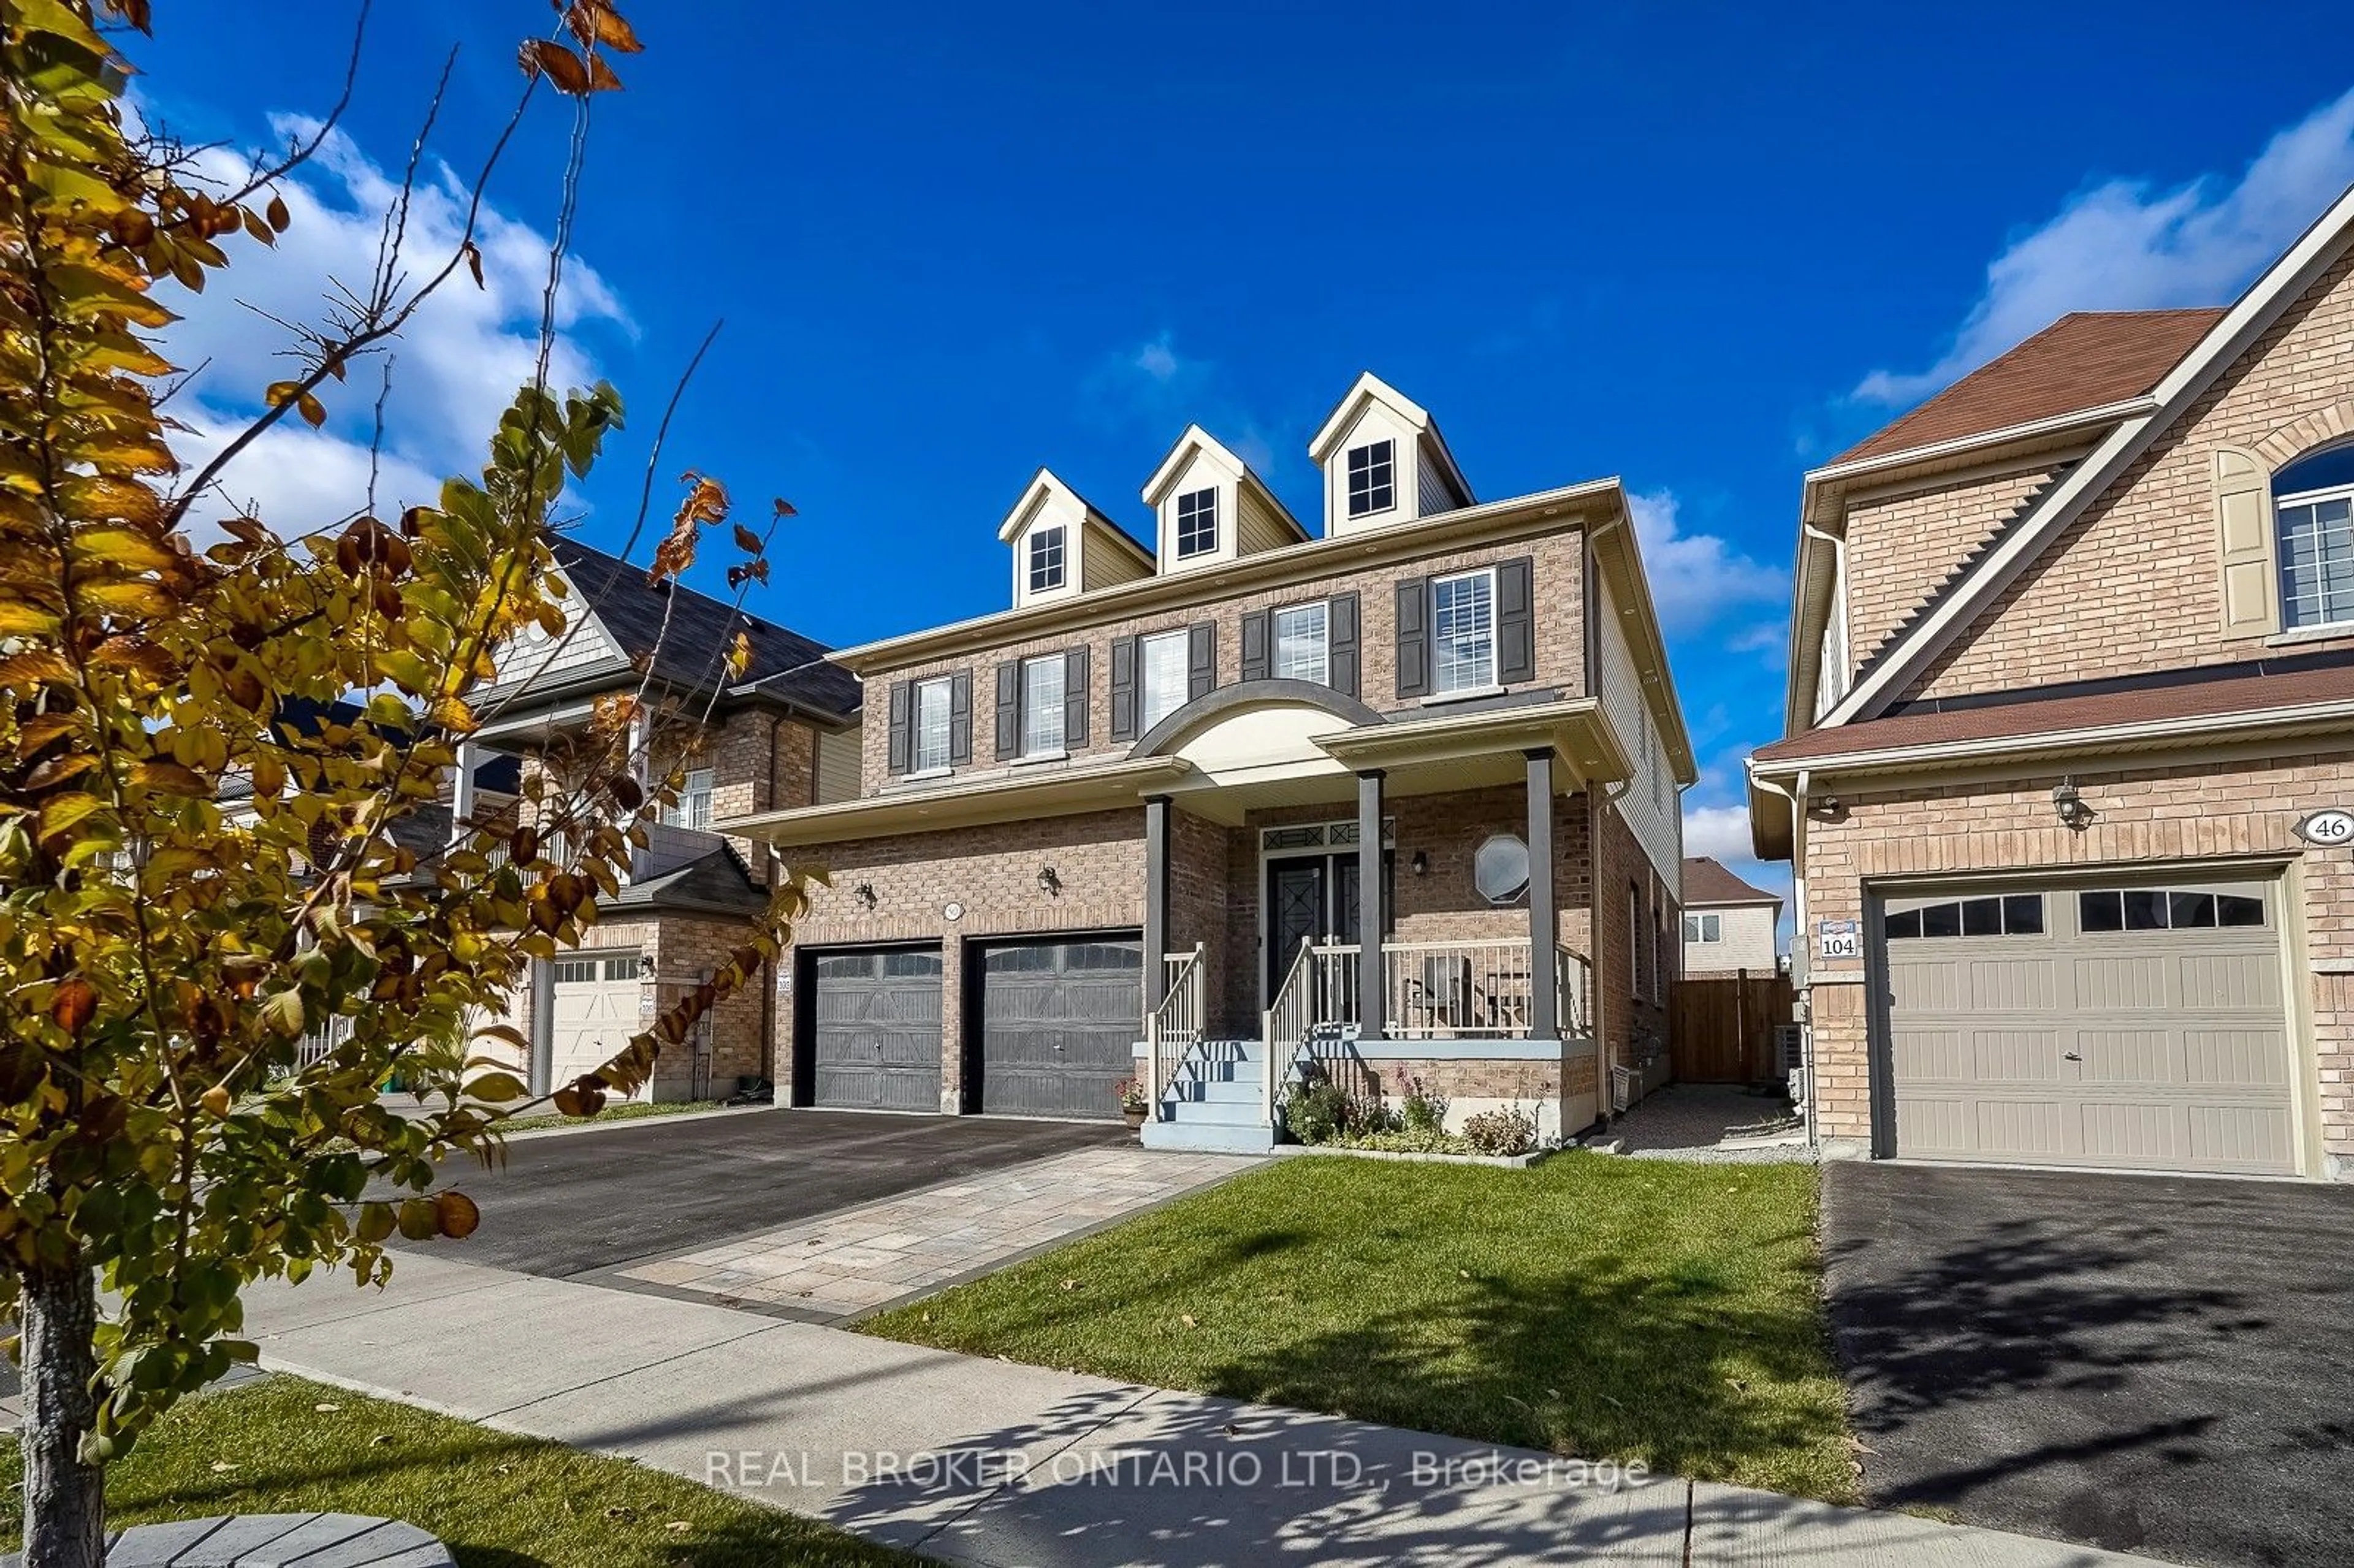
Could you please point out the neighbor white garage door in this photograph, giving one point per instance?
(598, 994)
(2140, 1027)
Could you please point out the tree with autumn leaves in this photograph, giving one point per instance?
(217, 738)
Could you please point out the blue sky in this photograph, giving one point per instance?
(1702, 248)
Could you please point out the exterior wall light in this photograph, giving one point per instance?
(1422, 862)
(1048, 883)
(864, 894)
(2070, 806)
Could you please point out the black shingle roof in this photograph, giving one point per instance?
(689, 653)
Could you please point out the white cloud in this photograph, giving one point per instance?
(1157, 360)
(1153, 389)
(1698, 579)
(455, 366)
(1721, 833)
(2128, 245)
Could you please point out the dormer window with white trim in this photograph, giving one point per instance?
(1373, 478)
(1197, 523)
(1048, 558)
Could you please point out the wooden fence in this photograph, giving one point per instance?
(1721, 1029)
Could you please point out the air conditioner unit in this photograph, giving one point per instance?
(1789, 1047)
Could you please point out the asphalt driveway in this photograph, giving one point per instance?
(2150, 1364)
(579, 1201)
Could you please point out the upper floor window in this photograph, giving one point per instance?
(1303, 646)
(1463, 632)
(1197, 523)
(1703, 928)
(1373, 478)
(2313, 509)
(1161, 678)
(1047, 551)
(1042, 705)
(929, 751)
(693, 807)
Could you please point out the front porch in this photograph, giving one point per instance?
(1473, 869)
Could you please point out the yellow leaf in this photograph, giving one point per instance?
(313, 412)
(283, 1013)
(129, 549)
(19, 619)
(171, 779)
(560, 64)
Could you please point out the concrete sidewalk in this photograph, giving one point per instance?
(985, 1462)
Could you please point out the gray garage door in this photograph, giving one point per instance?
(2137, 1027)
(1059, 1023)
(877, 1018)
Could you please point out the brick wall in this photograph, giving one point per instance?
(1899, 547)
(2144, 820)
(2133, 584)
(1560, 644)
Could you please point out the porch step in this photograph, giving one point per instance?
(1235, 1089)
(1202, 1138)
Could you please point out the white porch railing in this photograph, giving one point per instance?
(1320, 988)
(1174, 1027)
(1477, 989)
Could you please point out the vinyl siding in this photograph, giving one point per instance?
(1650, 803)
(838, 765)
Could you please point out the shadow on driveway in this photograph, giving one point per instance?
(2153, 1364)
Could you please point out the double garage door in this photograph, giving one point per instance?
(2139, 1027)
(1051, 1027)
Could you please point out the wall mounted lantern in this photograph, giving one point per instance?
(864, 894)
(1048, 883)
(2071, 807)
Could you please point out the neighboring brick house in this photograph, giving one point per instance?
(2070, 722)
(1729, 926)
(1166, 794)
(783, 733)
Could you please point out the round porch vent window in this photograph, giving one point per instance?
(1500, 869)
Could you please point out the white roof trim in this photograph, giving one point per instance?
(2057, 424)
(2289, 277)
(2136, 735)
(1195, 439)
(1046, 482)
(1367, 385)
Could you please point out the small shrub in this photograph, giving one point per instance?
(1421, 1111)
(1511, 1131)
(1408, 1140)
(1318, 1110)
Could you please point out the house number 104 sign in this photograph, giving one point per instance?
(2328, 828)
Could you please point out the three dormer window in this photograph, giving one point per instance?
(1047, 551)
(1197, 523)
(1373, 478)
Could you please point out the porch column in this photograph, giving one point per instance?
(462, 789)
(542, 1026)
(1373, 988)
(1156, 900)
(1544, 929)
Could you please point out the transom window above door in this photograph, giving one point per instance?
(1197, 523)
(1463, 632)
(1303, 649)
(1373, 478)
(2313, 516)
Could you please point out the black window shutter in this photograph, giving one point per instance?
(1414, 638)
(1202, 660)
(902, 702)
(1009, 709)
(1516, 632)
(1123, 688)
(1075, 699)
(1341, 643)
(961, 719)
(1255, 636)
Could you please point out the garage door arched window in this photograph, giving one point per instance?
(2166, 909)
(2009, 915)
(2313, 519)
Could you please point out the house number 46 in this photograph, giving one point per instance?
(2328, 829)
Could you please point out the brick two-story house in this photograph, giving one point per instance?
(1411, 778)
(2071, 736)
(784, 732)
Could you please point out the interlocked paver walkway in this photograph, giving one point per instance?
(861, 1259)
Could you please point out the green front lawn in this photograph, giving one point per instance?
(1604, 1308)
(283, 1445)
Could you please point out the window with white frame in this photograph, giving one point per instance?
(1042, 705)
(1046, 549)
(1702, 929)
(1303, 647)
(1373, 478)
(1161, 677)
(693, 807)
(930, 750)
(1197, 523)
(1463, 632)
(2313, 515)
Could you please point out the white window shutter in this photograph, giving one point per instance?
(2243, 517)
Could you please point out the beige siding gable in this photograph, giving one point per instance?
(532, 654)
(2155, 575)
